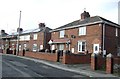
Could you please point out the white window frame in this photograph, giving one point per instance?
(20, 47)
(35, 37)
(116, 31)
(61, 46)
(82, 31)
(62, 33)
(25, 46)
(34, 47)
(80, 46)
(41, 47)
(53, 47)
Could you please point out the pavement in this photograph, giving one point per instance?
(83, 69)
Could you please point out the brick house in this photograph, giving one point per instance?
(31, 40)
(87, 35)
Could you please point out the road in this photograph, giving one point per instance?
(13, 66)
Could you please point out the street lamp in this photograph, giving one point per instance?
(18, 37)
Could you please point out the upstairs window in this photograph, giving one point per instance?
(35, 37)
(82, 31)
(62, 33)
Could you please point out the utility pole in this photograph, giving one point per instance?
(18, 37)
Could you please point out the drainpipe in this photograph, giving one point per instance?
(103, 38)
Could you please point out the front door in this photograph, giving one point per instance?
(96, 48)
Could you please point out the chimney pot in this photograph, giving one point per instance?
(85, 15)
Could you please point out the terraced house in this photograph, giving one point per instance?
(87, 35)
(31, 40)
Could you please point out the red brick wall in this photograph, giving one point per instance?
(76, 59)
(116, 60)
(110, 39)
(94, 33)
(40, 55)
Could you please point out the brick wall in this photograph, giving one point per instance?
(116, 60)
(76, 59)
(93, 36)
(41, 55)
(111, 40)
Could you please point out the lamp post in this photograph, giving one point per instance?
(18, 37)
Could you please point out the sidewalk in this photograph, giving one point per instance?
(83, 69)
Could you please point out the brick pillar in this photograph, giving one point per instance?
(93, 61)
(57, 56)
(109, 64)
(64, 57)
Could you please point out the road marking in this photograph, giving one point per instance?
(46, 67)
(23, 73)
(18, 63)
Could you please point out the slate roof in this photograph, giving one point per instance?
(33, 31)
(87, 21)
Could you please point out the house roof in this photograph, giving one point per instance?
(87, 21)
(32, 31)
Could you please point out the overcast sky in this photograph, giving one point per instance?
(54, 13)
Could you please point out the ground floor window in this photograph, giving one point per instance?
(61, 46)
(20, 47)
(53, 47)
(81, 46)
(25, 46)
(41, 47)
(34, 47)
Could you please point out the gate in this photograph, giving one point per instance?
(60, 56)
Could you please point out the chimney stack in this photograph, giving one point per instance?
(41, 25)
(85, 15)
(19, 30)
(2, 31)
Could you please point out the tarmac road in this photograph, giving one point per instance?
(13, 66)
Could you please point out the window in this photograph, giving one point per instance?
(21, 38)
(25, 46)
(116, 31)
(53, 47)
(20, 47)
(82, 31)
(81, 46)
(62, 33)
(35, 36)
(61, 46)
(34, 47)
(41, 47)
(25, 37)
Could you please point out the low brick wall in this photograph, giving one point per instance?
(41, 55)
(76, 59)
(116, 60)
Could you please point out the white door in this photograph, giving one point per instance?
(96, 48)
